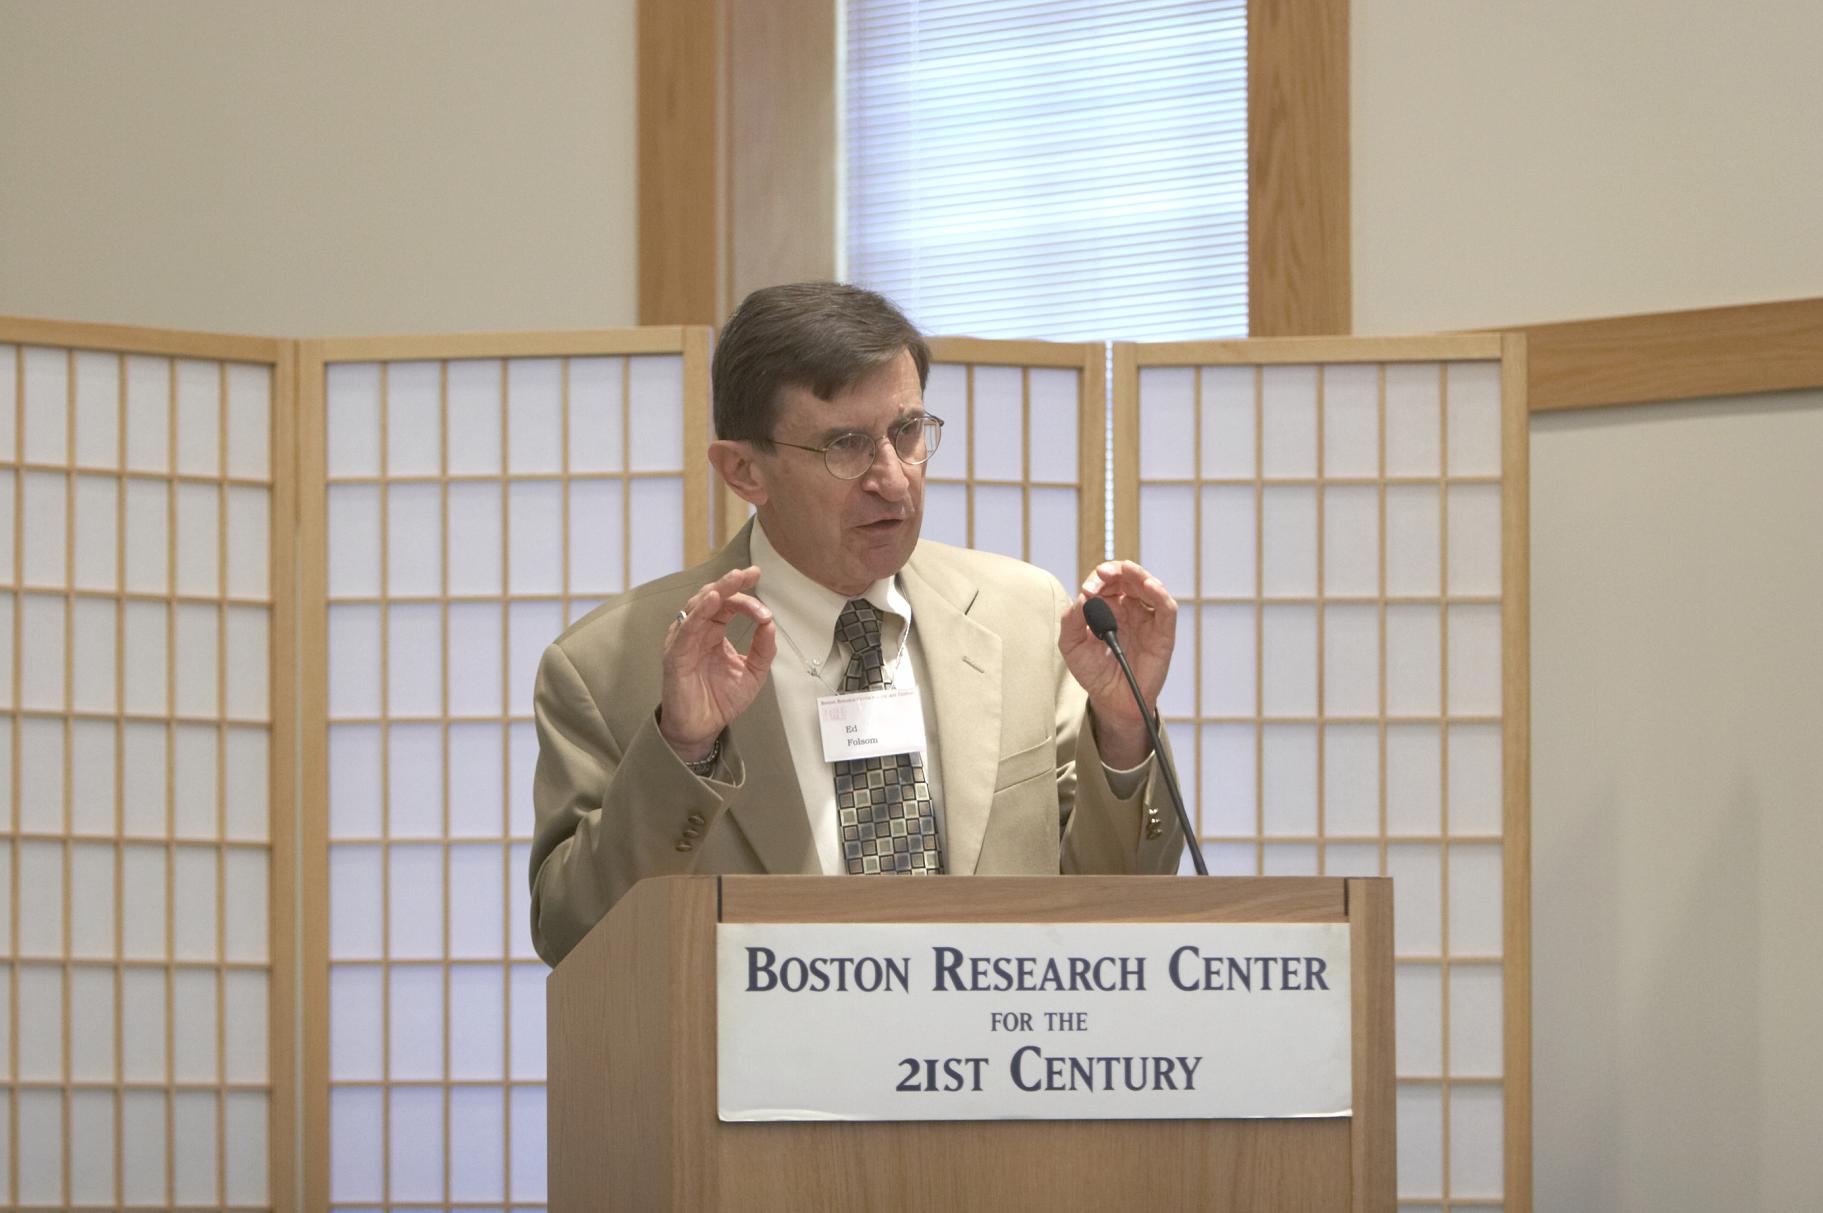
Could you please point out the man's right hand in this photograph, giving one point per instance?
(708, 682)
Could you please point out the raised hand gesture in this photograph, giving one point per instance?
(708, 682)
(1147, 618)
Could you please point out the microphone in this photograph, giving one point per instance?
(1100, 617)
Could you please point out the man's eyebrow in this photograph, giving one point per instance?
(825, 437)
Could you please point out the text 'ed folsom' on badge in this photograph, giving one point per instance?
(871, 724)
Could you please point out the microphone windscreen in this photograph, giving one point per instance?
(1100, 617)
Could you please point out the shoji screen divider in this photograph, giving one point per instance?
(465, 499)
(1344, 524)
(1021, 469)
(147, 658)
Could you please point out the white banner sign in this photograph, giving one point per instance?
(1032, 1021)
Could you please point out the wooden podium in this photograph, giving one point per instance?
(633, 1122)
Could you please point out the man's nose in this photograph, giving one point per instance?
(889, 476)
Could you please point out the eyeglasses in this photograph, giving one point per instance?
(849, 456)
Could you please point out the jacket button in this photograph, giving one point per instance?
(692, 832)
(686, 845)
(695, 819)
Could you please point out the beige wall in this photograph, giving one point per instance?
(1677, 717)
(1548, 161)
(1516, 163)
(318, 168)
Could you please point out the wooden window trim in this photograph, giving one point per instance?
(738, 158)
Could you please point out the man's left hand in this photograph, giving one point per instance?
(1147, 618)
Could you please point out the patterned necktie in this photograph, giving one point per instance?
(882, 804)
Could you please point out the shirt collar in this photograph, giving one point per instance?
(807, 611)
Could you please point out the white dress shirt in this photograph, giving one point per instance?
(804, 613)
(810, 664)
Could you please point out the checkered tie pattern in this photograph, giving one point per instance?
(882, 804)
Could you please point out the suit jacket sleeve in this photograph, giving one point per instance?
(611, 810)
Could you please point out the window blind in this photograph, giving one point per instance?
(1068, 169)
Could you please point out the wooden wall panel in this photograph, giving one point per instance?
(1298, 169)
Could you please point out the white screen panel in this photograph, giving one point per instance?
(1167, 422)
(148, 414)
(1228, 766)
(1414, 420)
(147, 538)
(1288, 541)
(1474, 899)
(1351, 419)
(247, 1125)
(357, 1037)
(193, 1046)
(47, 399)
(477, 1022)
(946, 513)
(1229, 422)
(1054, 534)
(1288, 421)
(1418, 993)
(1475, 779)
(199, 417)
(473, 428)
(414, 767)
(415, 1032)
(1414, 540)
(1230, 541)
(499, 484)
(86, 782)
(655, 394)
(352, 409)
(999, 520)
(91, 1145)
(1351, 780)
(92, 888)
(94, 547)
(1168, 533)
(596, 403)
(1476, 1018)
(1402, 675)
(527, 1109)
(39, 1026)
(477, 1129)
(1476, 1124)
(1474, 539)
(998, 408)
(946, 396)
(658, 540)
(143, 1138)
(415, 1162)
(1414, 778)
(1229, 648)
(1474, 419)
(1288, 757)
(1055, 403)
(1420, 1113)
(38, 1168)
(414, 540)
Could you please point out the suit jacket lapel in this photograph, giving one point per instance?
(770, 812)
(962, 659)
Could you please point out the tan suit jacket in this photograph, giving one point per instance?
(1024, 789)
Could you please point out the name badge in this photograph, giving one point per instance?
(871, 724)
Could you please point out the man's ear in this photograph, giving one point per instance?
(734, 461)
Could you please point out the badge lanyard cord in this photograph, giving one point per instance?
(815, 668)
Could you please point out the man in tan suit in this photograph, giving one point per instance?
(676, 736)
